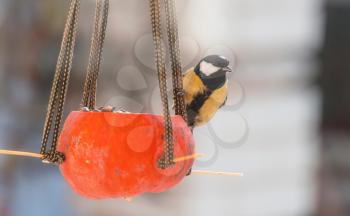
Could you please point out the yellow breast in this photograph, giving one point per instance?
(212, 105)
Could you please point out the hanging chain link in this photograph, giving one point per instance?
(175, 57)
(59, 86)
(167, 159)
(95, 57)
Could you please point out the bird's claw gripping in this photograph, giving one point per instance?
(180, 92)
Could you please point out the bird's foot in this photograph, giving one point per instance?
(180, 92)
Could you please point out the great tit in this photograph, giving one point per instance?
(205, 89)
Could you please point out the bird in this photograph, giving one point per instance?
(205, 89)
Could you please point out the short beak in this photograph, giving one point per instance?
(227, 69)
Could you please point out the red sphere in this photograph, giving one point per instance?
(115, 154)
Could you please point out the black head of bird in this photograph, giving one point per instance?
(212, 70)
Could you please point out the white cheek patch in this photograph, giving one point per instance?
(208, 68)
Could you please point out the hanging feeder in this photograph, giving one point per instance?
(118, 154)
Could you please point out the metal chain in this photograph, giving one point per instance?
(97, 41)
(92, 58)
(64, 86)
(101, 39)
(175, 57)
(53, 95)
(59, 86)
(167, 159)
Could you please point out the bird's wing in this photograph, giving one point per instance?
(197, 102)
(211, 105)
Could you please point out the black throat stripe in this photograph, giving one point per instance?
(214, 83)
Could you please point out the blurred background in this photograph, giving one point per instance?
(286, 124)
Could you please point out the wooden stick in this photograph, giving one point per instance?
(20, 153)
(188, 157)
(214, 173)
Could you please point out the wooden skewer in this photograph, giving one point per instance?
(189, 157)
(207, 172)
(36, 155)
(20, 153)
(213, 173)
